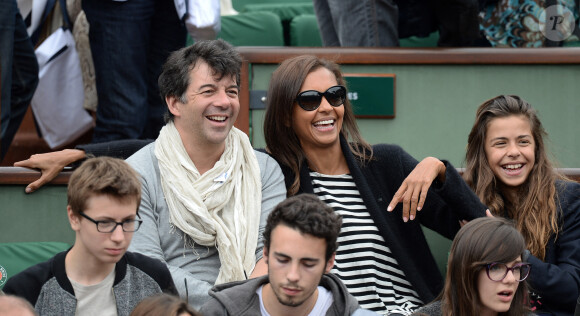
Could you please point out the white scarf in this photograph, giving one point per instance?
(220, 208)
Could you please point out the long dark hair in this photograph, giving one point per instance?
(535, 212)
(479, 242)
(281, 140)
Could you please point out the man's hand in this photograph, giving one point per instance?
(50, 165)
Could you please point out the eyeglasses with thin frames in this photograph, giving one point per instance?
(310, 100)
(128, 226)
(497, 271)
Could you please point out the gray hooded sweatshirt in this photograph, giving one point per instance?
(240, 298)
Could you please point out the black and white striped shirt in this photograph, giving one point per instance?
(363, 261)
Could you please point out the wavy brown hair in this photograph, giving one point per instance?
(481, 241)
(535, 211)
(281, 140)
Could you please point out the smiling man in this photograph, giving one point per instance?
(97, 276)
(206, 192)
(300, 244)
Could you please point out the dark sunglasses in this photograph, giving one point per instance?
(310, 100)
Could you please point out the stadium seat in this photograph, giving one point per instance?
(17, 256)
(414, 41)
(286, 11)
(252, 29)
(240, 5)
(304, 31)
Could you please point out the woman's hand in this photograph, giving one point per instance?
(49, 165)
(413, 191)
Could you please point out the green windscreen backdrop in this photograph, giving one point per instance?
(39, 216)
(371, 95)
(436, 104)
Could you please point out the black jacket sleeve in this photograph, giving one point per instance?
(119, 148)
(557, 278)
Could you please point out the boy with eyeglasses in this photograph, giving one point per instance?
(97, 276)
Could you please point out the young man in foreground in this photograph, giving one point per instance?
(97, 276)
(299, 249)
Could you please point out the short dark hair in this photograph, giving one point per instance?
(222, 58)
(309, 215)
(103, 176)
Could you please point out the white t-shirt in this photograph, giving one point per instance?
(322, 305)
(97, 299)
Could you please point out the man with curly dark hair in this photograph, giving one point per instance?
(300, 242)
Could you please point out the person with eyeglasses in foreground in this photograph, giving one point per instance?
(508, 167)
(383, 256)
(299, 250)
(96, 276)
(485, 272)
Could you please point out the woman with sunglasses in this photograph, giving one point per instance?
(383, 257)
(485, 272)
(507, 166)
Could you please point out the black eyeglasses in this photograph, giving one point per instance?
(498, 271)
(310, 100)
(128, 226)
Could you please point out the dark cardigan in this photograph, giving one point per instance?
(377, 181)
(557, 278)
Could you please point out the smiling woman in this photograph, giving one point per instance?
(507, 166)
(311, 131)
(509, 148)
